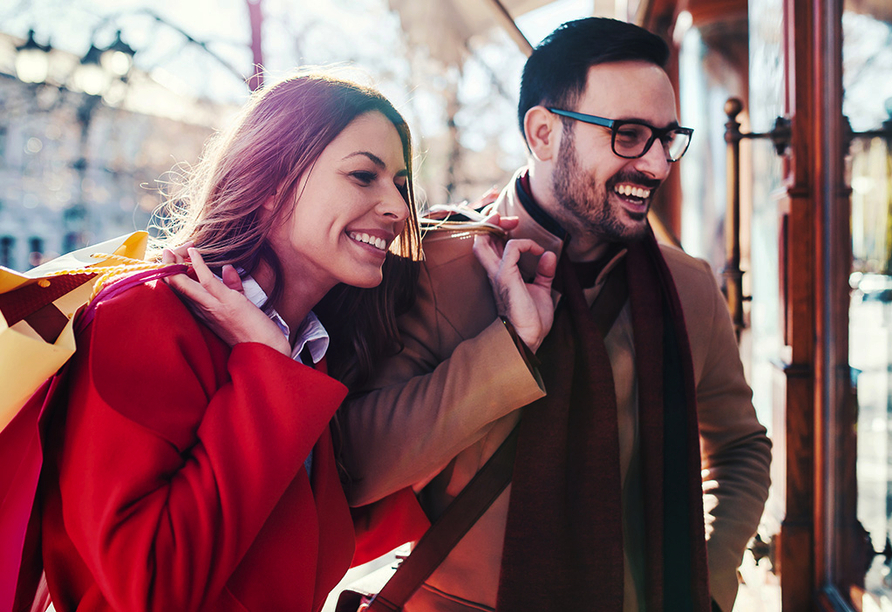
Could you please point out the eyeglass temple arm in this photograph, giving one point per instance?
(584, 118)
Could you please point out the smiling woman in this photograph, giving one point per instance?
(351, 206)
(192, 467)
(308, 162)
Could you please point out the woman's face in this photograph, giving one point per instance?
(349, 207)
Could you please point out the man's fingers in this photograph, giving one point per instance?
(546, 269)
(516, 247)
(485, 251)
(506, 223)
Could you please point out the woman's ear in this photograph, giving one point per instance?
(543, 132)
(269, 205)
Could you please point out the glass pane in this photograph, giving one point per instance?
(766, 105)
(867, 64)
(761, 213)
(706, 83)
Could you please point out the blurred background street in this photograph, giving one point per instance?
(103, 103)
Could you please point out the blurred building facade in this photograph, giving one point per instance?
(76, 167)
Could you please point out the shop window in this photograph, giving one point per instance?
(7, 258)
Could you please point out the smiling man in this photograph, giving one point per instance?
(645, 453)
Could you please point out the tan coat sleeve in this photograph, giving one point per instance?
(459, 372)
(736, 452)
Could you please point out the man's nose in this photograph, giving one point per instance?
(654, 163)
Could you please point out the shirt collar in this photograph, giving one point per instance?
(310, 333)
(538, 225)
(525, 197)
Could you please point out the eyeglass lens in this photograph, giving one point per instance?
(632, 140)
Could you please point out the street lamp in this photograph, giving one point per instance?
(32, 60)
(89, 76)
(117, 58)
(101, 68)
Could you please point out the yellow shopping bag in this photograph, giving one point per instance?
(36, 310)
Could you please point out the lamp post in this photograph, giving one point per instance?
(32, 60)
(117, 58)
(89, 76)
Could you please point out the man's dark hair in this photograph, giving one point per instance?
(556, 72)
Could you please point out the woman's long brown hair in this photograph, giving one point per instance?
(262, 156)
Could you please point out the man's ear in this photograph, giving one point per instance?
(543, 131)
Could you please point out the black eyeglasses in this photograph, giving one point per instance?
(633, 139)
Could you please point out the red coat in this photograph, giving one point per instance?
(175, 479)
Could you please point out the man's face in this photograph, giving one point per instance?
(598, 192)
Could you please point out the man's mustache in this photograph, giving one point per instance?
(637, 178)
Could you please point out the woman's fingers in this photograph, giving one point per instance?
(176, 255)
(200, 292)
(208, 291)
(204, 274)
(231, 279)
(223, 306)
(190, 289)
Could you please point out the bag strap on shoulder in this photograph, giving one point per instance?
(486, 486)
(452, 525)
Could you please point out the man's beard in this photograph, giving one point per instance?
(585, 204)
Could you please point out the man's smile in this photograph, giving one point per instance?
(633, 191)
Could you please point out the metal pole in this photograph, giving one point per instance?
(732, 274)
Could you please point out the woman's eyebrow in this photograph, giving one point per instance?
(377, 161)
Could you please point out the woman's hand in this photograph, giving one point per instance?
(222, 304)
(529, 306)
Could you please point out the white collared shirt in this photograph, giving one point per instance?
(311, 334)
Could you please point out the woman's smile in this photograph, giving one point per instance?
(370, 239)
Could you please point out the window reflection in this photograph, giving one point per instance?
(867, 64)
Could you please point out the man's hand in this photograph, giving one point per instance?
(529, 306)
(222, 304)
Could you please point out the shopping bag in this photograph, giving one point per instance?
(33, 313)
(21, 449)
(36, 309)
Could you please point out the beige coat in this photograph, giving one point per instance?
(456, 390)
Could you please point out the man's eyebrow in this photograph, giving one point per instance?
(669, 126)
(377, 161)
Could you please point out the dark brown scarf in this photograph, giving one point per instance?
(564, 537)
